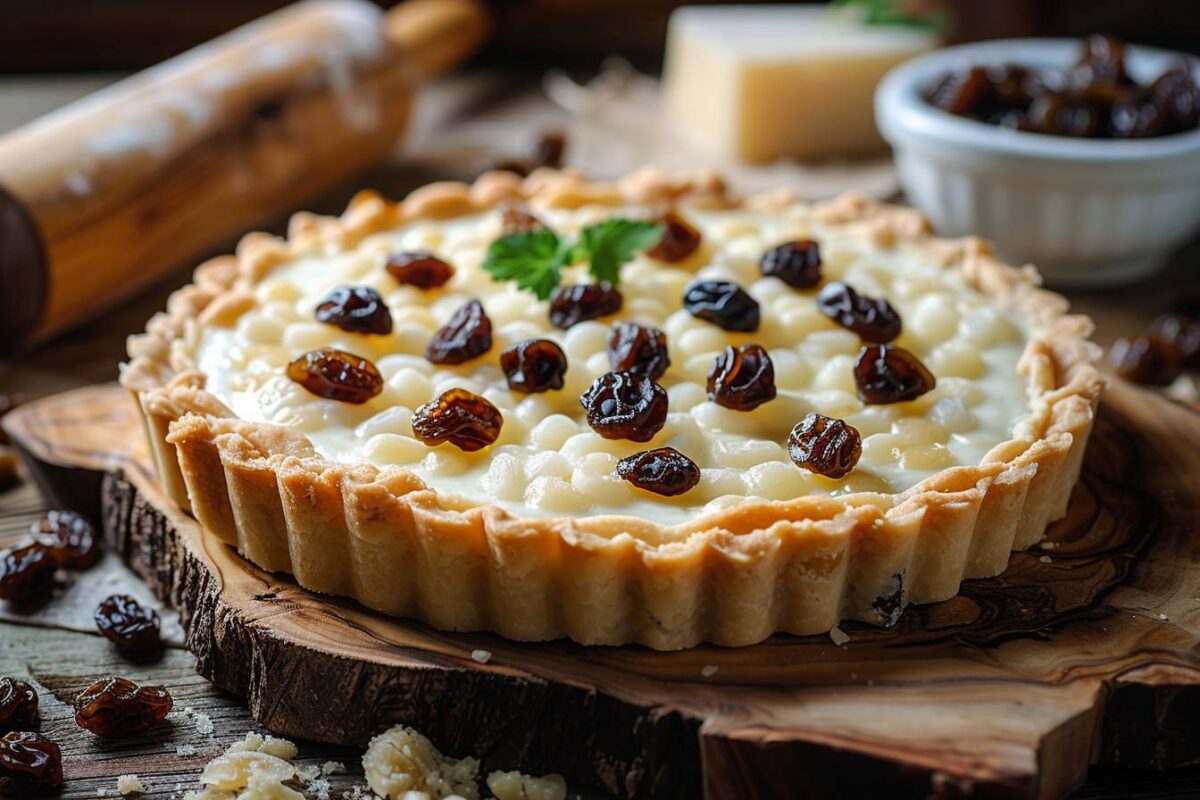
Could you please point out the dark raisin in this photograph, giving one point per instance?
(638, 349)
(963, 93)
(119, 707)
(419, 268)
(873, 320)
(7, 403)
(516, 218)
(68, 536)
(358, 309)
(128, 624)
(825, 445)
(336, 375)
(624, 405)
(549, 150)
(1137, 116)
(1102, 61)
(467, 335)
(27, 573)
(1178, 95)
(18, 705)
(462, 418)
(798, 264)
(30, 761)
(1182, 331)
(570, 305)
(1150, 360)
(886, 373)
(742, 378)
(1065, 114)
(535, 365)
(663, 470)
(722, 303)
(679, 239)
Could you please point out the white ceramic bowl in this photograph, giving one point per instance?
(1087, 212)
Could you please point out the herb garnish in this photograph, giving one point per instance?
(535, 260)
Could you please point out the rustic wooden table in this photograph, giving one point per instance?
(459, 123)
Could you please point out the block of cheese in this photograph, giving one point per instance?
(760, 82)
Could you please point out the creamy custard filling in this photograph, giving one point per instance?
(548, 461)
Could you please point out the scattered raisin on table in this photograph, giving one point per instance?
(1183, 332)
(624, 405)
(663, 470)
(517, 218)
(128, 624)
(1150, 360)
(69, 537)
(467, 335)
(358, 309)
(570, 305)
(722, 303)
(534, 365)
(679, 240)
(798, 263)
(419, 268)
(742, 378)
(825, 445)
(638, 349)
(30, 761)
(119, 707)
(336, 375)
(18, 705)
(462, 418)
(873, 320)
(887, 373)
(27, 573)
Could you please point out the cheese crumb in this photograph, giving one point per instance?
(708, 670)
(1045, 559)
(333, 768)
(185, 750)
(838, 636)
(201, 720)
(130, 784)
(401, 761)
(515, 786)
(254, 768)
(482, 656)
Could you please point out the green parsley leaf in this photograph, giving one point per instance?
(609, 244)
(534, 260)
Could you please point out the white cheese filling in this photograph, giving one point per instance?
(548, 461)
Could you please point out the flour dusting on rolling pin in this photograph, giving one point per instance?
(105, 195)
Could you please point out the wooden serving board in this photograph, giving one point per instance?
(1085, 652)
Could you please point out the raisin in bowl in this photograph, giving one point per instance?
(1087, 211)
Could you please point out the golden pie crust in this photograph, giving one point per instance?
(731, 577)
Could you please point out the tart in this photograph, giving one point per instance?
(789, 414)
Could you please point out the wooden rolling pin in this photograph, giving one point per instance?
(107, 194)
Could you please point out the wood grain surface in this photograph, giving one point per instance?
(1012, 689)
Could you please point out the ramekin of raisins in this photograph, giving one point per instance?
(1079, 156)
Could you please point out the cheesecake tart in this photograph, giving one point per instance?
(643, 411)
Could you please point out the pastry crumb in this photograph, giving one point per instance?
(708, 670)
(1163, 617)
(400, 761)
(253, 768)
(130, 784)
(515, 786)
(1045, 559)
(838, 636)
(185, 750)
(202, 721)
(333, 768)
(482, 656)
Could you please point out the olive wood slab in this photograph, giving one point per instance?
(1085, 652)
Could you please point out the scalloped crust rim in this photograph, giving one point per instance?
(732, 577)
